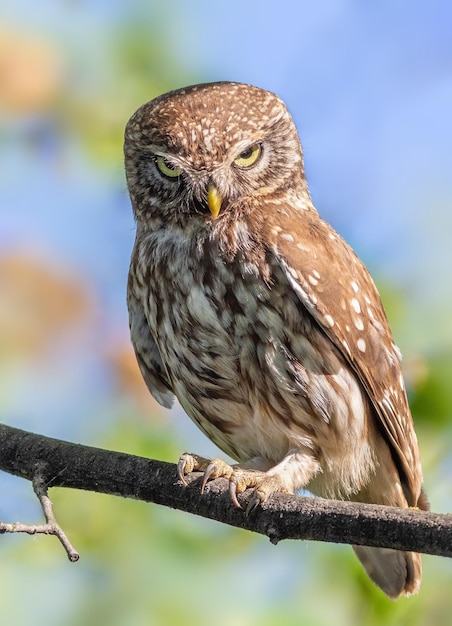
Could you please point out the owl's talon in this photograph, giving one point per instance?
(210, 471)
(252, 504)
(190, 463)
(181, 465)
(264, 485)
(233, 493)
(180, 472)
(216, 468)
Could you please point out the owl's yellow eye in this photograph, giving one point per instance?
(249, 157)
(167, 168)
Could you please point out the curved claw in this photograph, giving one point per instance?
(180, 471)
(233, 494)
(252, 504)
(210, 469)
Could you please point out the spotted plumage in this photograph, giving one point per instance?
(258, 317)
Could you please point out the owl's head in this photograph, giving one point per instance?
(202, 151)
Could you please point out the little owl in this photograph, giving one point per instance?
(259, 318)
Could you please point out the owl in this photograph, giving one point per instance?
(257, 316)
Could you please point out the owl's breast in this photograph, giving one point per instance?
(248, 364)
(183, 300)
(207, 318)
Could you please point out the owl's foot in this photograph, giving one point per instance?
(188, 463)
(212, 468)
(240, 479)
(264, 485)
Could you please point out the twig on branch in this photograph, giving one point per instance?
(51, 527)
(62, 464)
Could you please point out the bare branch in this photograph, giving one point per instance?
(62, 464)
(51, 527)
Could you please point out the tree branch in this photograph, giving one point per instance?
(62, 464)
(51, 526)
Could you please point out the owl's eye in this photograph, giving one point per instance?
(168, 169)
(249, 157)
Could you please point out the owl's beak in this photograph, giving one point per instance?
(214, 200)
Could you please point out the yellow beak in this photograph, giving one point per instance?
(214, 200)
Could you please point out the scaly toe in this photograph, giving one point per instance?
(240, 480)
(217, 468)
(264, 485)
(190, 463)
(207, 474)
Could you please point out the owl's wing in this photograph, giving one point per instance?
(148, 355)
(336, 288)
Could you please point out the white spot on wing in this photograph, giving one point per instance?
(356, 305)
(288, 237)
(361, 344)
(328, 321)
(354, 286)
(359, 323)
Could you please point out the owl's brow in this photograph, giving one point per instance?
(242, 145)
(157, 150)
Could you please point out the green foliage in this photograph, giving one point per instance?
(432, 398)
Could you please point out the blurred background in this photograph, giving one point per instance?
(370, 88)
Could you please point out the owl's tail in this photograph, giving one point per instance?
(396, 573)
